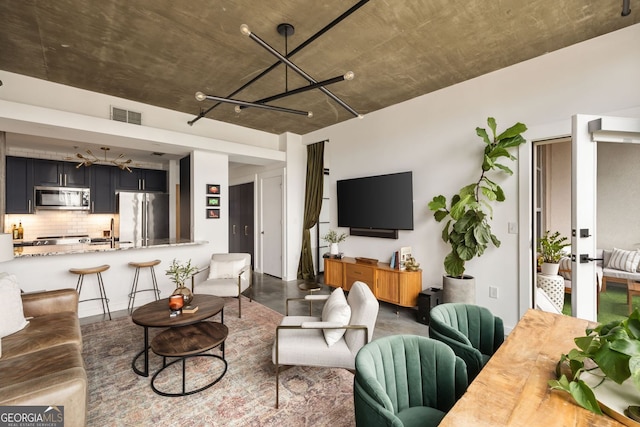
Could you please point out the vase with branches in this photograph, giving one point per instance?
(333, 238)
(179, 273)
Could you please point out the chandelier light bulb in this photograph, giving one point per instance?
(310, 114)
(361, 116)
(349, 75)
(200, 96)
(237, 109)
(244, 29)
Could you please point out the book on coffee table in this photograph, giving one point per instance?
(189, 309)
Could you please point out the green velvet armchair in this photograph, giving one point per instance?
(473, 333)
(406, 380)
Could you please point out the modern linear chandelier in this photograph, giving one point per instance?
(285, 30)
(91, 159)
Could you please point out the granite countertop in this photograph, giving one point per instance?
(81, 248)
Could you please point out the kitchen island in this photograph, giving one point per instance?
(46, 267)
(91, 247)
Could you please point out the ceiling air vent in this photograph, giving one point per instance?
(122, 115)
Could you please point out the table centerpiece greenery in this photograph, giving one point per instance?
(179, 273)
(610, 351)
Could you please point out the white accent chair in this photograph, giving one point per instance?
(229, 276)
(300, 340)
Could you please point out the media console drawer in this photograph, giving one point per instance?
(358, 272)
(387, 284)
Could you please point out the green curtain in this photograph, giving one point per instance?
(312, 205)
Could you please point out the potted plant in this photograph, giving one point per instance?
(467, 229)
(608, 353)
(333, 238)
(550, 251)
(178, 273)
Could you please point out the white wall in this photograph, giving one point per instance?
(210, 168)
(294, 188)
(434, 136)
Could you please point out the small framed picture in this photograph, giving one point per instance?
(213, 189)
(213, 213)
(213, 201)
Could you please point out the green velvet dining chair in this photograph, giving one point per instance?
(406, 380)
(473, 332)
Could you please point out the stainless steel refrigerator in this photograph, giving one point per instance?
(144, 217)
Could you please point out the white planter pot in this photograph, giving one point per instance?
(549, 269)
(333, 249)
(459, 290)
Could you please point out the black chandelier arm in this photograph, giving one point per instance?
(347, 76)
(304, 44)
(246, 31)
(201, 97)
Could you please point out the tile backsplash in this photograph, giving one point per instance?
(46, 223)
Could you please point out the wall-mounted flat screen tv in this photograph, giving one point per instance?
(376, 202)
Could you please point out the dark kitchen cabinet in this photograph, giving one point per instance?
(103, 189)
(59, 174)
(19, 180)
(142, 180)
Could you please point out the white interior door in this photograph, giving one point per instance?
(272, 226)
(587, 131)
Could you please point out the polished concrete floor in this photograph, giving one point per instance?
(273, 293)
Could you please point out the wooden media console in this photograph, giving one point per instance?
(387, 284)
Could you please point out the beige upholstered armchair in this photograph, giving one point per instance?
(229, 276)
(332, 340)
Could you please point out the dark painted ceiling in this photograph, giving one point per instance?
(161, 52)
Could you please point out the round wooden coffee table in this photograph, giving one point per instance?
(186, 342)
(156, 315)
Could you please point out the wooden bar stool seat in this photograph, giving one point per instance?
(136, 276)
(81, 272)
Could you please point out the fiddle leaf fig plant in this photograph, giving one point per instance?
(467, 228)
(614, 348)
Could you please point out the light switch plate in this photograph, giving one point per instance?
(493, 292)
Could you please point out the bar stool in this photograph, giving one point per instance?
(103, 294)
(136, 276)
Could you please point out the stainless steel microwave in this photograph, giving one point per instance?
(62, 198)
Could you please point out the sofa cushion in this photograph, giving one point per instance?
(564, 268)
(11, 316)
(624, 260)
(225, 269)
(43, 332)
(335, 310)
(53, 376)
(364, 311)
(421, 416)
(308, 346)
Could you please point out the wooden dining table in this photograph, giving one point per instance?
(512, 389)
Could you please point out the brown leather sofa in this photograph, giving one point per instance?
(42, 364)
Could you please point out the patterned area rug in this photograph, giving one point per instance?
(245, 396)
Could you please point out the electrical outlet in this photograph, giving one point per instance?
(493, 292)
(513, 228)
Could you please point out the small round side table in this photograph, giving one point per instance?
(553, 286)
